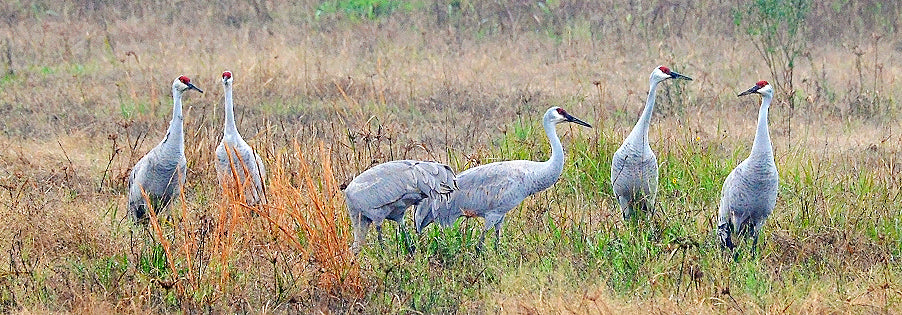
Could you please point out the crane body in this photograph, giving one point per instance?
(237, 164)
(634, 167)
(749, 193)
(385, 191)
(160, 173)
(490, 191)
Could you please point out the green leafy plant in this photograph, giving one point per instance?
(360, 9)
(777, 29)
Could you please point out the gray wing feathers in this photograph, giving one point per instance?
(245, 154)
(160, 174)
(484, 187)
(632, 168)
(258, 176)
(134, 184)
(723, 215)
(749, 195)
(441, 183)
(433, 209)
(385, 183)
(634, 174)
(377, 186)
(435, 179)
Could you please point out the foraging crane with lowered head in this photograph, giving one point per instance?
(237, 164)
(160, 174)
(385, 191)
(634, 169)
(749, 193)
(491, 190)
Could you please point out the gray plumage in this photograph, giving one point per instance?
(245, 164)
(490, 191)
(385, 191)
(634, 168)
(749, 193)
(161, 173)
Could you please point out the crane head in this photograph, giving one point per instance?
(762, 87)
(662, 73)
(183, 84)
(227, 77)
(559, 115)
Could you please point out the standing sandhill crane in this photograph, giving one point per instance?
(634, 169)
(385, 191)
(161, 173)
(490, 191)
(750, 191)
(236, 161)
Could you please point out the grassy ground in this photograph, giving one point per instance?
(325, 89)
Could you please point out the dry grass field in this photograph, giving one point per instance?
(326, 89)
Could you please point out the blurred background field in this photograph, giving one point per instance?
(325, 89)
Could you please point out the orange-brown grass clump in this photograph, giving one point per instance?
(309, 213)
(303, 227)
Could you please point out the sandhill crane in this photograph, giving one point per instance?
(750, 191)
(385, 191)
(234, 156)
(161, 173)
(634, 169)
(490, 191)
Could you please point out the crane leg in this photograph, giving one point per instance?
(625, 207)
(755, 243)
(361, 226)
(723, 231)
(139, 213)
(497, 237)
(497, 234)
(481, 240)
(649, 206)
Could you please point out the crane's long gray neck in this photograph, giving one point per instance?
(553, 167)
(640, 131)
(230, 129)
(762, 145)
(176, 134)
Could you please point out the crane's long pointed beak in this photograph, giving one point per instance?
(577, 120)
(675, 75)
(750, 91)
(192, 87)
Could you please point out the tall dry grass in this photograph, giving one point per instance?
(303, 227)
(313, 206)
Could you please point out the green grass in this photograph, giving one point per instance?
(670, 255)
(362, 9)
